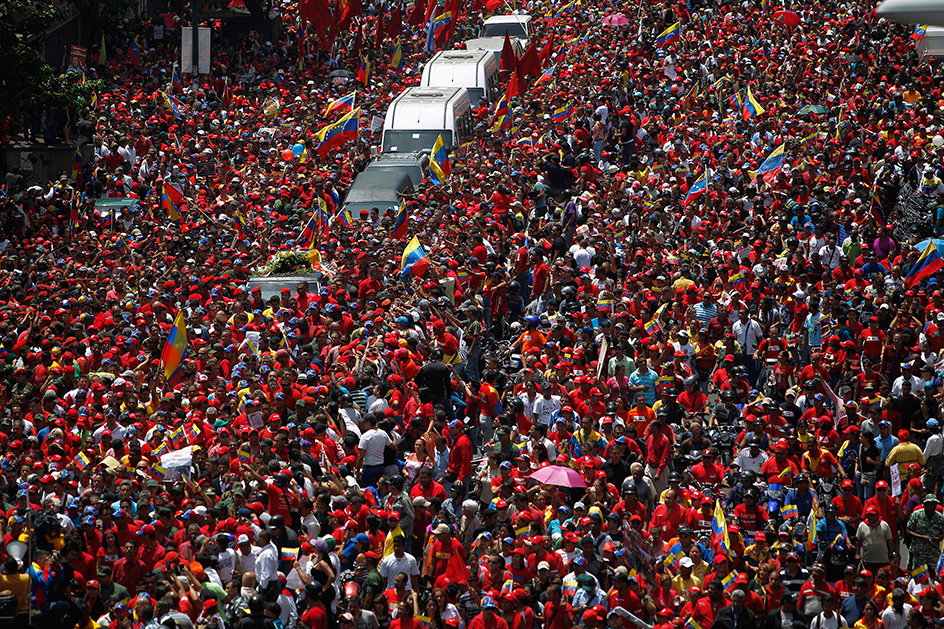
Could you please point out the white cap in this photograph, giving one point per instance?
(441, 529)
(201, 510)
(242, 539)
(544, 566)
(686, 562)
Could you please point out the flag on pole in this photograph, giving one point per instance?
(363, 71)
(700, 186)
(134, 54)
(175, 349)
(927, 265)
(752, 106)
(343, 104)
(82, 460)
(396, 59)
(169, 207)
(414, 260)
(669, 35)
(306, 240)
(719, 529)
(439, 166)
(401, 223)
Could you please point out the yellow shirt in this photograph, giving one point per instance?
(905, 454)
(681, 585)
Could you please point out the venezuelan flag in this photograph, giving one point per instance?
(562, 113)
(927, 265)
(501, 118)
(175, 349)
(336, 134)
(344, 216)
(158, 472)
(134, 54)
(396, 60)
(400, 223)
(700, 186)
(789, 511)
(719, 529)
(439, 166)
(691, 623)
(175, 82)
(920, 573)
(345, 104)
(669, 35)
(289, 554)
(547, 76)
(306, 240)
(82, 460)
(772, 166)
(176, 437)
(728, 581)
(414, 260)
(920, 30)
(363, 71)
(244, 456)
(752, 107)
(170, 208)
(77, 167)
(160, 450)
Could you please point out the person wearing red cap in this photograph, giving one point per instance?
(874, 537)
(905, 453)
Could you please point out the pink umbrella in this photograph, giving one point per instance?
(560, 476)
(617, 19)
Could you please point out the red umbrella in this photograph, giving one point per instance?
(560, 476)
(787, 18)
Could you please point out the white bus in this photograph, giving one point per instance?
(475, 70)
(419, 115)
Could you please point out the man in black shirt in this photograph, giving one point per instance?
(437, 377)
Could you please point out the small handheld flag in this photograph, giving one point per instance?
(343, 104)
(414, 260)
(363, 71)
(82, 460)
(244, 456)
(752, 107)
(396, 60)
(289, 554)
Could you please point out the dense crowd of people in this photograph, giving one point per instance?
(673, 359)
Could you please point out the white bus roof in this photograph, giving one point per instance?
(913, 11)
(423, 107)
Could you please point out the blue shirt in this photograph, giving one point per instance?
(804, 503)
(648, 379)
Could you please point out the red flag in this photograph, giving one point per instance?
(509, 60)
(545, 54)
(379, 31)
(173, 193)
(394, 26)
(349, 9)
(514, 86)
(529, 62)
(418, 15)
(493, 5)
(356, 47)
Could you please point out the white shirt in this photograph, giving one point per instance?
(916, 385)
(934, 446)
(391, 566)
(750, 463)
(352, 420)
(372, 444)
(249, 561)
(894, 620)
(544, 409)
(747, 334)
(267, 565)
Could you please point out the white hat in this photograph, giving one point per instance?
(242, 539)
(544, 566)
(441, 529)
(686, 562)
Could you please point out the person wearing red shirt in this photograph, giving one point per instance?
(850, 507)
(427, 487)
(129, 570)
(316, 616)
(779, 470)
(708, 607)
(872, 340)
(488, 618)
(885, 503)
(444, 548)
(460, 454)
(750, 516)
(819, 461)
(669, 516)
(708, 471)
(558, 614)
(621, 595)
